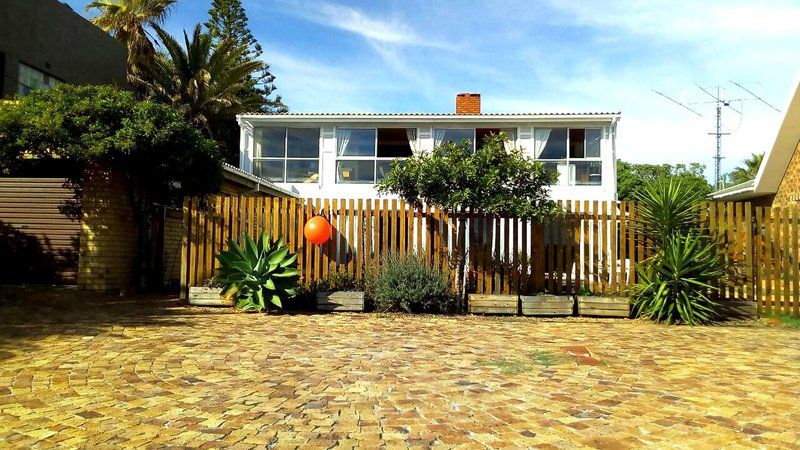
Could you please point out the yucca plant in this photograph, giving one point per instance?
(667, 207)
(675, 284)
(260, 273)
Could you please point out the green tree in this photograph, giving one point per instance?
(631, 177)
(748, 170)
(202, 81)
(161, 155)
(128, 20)
(228, 22)
(490, 179)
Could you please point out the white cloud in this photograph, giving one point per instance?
(392, 29)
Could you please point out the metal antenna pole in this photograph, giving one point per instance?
(718, 155)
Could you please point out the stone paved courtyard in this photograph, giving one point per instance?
(139, 372)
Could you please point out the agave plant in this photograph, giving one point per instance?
(675, 284)
(259, 273)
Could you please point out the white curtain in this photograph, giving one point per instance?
(344, 140)
(438, 138)
(411, 133)
(540, 137)
(511, 139)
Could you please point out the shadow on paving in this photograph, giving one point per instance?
(31, 314)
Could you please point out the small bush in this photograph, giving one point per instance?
(406, 283)
(338, 281)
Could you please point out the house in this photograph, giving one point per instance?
(344, 155)
(778, 180)
(45, 42)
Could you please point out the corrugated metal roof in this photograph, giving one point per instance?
(328, 114)
(256, 179)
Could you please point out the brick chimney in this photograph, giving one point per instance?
(467, 103)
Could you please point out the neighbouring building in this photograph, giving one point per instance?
(344, 155)
(778, 180)
(45, 42)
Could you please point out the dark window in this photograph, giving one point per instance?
(576, 143)
(393, 143)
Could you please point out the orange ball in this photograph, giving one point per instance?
(317, 230)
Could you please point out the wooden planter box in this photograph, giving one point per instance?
(492, 304)
(207, 296)
(604, 306)
(547, 305)
(340, 301)
(738, 309)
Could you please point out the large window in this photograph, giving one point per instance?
(287, 155)
(454, 135)
(365, 155)
(573, 153)
(30, 78)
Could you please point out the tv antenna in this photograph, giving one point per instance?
(719, 103)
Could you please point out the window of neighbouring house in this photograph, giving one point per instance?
(365, 155)
(31, 78)
(286, 155)
(454, 135)
(511, 136)
(572, 153)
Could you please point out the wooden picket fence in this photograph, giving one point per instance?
(593, 247)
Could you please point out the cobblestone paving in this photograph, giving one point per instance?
(151, 373)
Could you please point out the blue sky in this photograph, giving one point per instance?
(537, 56)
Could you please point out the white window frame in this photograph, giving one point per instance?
(570, 172)
(373, 158)
(286, 158)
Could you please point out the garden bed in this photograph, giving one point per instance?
(492, 304)
(207, 296)
(340, 301)
(547, 305)
(604, 306)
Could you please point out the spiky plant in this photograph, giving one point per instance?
(260, 273)
(675, 284)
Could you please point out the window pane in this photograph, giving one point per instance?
(587, 172)
(349, 171)
(556, 167)
(393, 143)
(576, 137)
(382, 168)
(270, 142)
(593, 136)
(553, 143)
(302, 143)
(355, 142)
(302, 171)
(269, 169)
(453, 135)
(30, 78)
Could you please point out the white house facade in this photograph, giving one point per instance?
(344, 155)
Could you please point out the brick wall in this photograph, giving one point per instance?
(108, 233)
(468, 103)
(789, 189)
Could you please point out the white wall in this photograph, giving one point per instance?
(327, 186)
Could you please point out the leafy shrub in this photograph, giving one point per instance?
(339, 280)
(674, 285)
(406, 283)
(261, 272)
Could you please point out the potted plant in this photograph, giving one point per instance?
(603, 306)
(339, 292)
(545, 304)
(259, 275)
(209, 294)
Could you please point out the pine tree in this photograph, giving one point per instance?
(228, 21)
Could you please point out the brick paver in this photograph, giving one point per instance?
(138, 373)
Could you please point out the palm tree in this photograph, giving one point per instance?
(202, 80)
(749, 170)
(127, 20)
